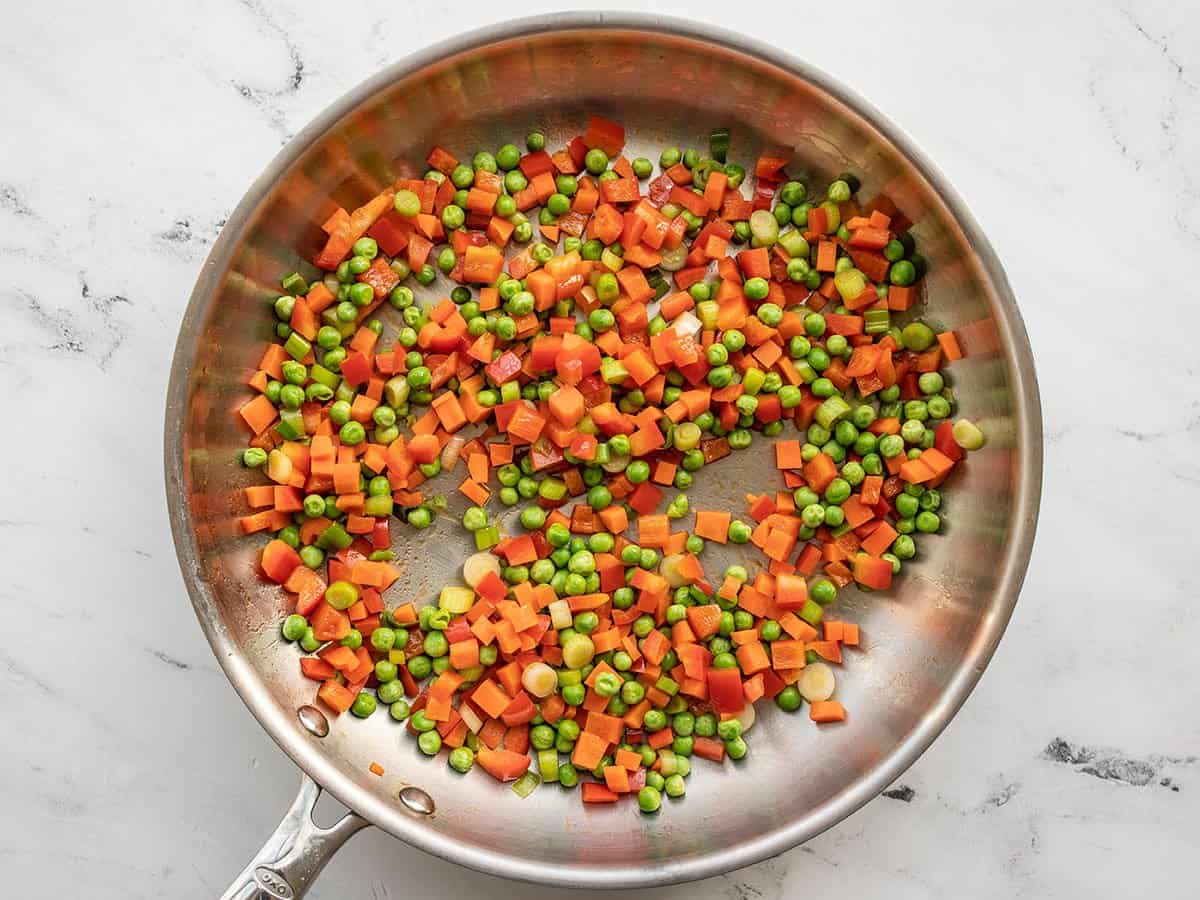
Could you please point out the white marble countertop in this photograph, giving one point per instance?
(130, 769)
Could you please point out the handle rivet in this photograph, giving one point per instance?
(313, 720)
(273, 882)
(417, 800)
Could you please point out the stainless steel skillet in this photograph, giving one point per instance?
(926, 642)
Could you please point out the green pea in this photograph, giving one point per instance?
(838, 491)
(739, 531)
(309, 642)
(789, 698)
(741, 438)
(600, 542)
(756, 288)
(902, 272)
(364, 704)
(917, 410)
(385, 671)
(573, 694)
(720, 376)
(294, 627)
(649, 799)
(928, 522)
(430, 742)
(533, 517)
(399, 710)
(419, 667)
(312, 556)
(407, 203)
(655, 720)
(797, 269)
(557, 204)
(642, 167)
(601, 320)
(931, 382)
(607, 288)
(461, 759)
(596, 161)
(822, 591)
(770, 314)
(391, 691)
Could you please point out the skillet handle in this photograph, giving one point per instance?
(291, 859)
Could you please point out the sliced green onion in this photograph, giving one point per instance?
(658, 283)
(548, 764)
(832, 410)
(673, 259)
(850, 283)
(334, 537)
(525, 785)
(877, 321)
(794, 243)
(718, 144)
(486, 538)
(763, 226)
(291, 424)
(613, 371)
(294, 284)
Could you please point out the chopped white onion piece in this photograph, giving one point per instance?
(746, 717)
(451, 452)
(817, 683)
(669, 569)
(686, 324)
(539, 679)
(673, 259)
(477, 565)
(469, 716)
(560, 614)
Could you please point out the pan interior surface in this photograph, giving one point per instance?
(925, 642)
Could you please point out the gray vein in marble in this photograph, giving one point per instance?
(266, 99)
(765, 879)
(23, 675)
(67, 332)
(1110, 121)
(103, 304)
(11, 200)
(1161, 44)
(170, 660)
(188, 237)
(60, 324)
(1001, 797)
(1113, 765)
(901, 792)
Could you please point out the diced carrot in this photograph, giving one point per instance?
(827, 711)
(713, 525)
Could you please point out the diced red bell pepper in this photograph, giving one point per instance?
(725, 690)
